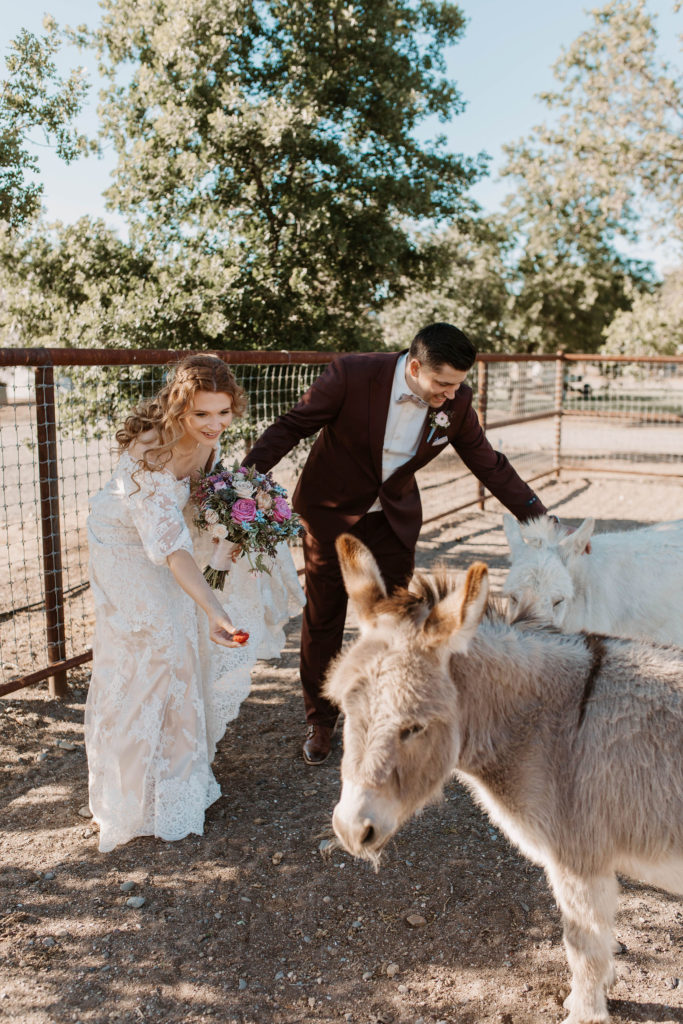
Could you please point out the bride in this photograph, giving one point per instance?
(161, 694)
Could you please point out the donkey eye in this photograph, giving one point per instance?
(410, 730)
(558, 602)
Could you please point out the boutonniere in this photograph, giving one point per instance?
(440, 420)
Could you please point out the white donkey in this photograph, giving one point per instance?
(571, 743)
(630, 584)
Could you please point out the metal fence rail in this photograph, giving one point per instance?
(59, 409)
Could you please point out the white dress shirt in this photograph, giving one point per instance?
(405, 421)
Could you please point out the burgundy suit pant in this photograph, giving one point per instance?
(325, 611)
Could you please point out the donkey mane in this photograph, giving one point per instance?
(425, 592)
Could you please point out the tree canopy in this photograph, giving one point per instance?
(616, 140)
(33, 96)
(609, 159)
(469, 286)
(654, 323)
(273, 143)
(278, 194)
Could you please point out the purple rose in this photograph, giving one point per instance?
(243, 511)
(281, 510)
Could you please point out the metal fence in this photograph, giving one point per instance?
(59, 408)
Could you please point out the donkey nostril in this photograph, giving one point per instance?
(369, 833)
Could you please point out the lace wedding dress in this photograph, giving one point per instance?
(161, 693)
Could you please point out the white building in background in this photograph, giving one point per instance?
(16, 384)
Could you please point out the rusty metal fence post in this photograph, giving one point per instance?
(482, 395)
(50, 524)
(559, 407)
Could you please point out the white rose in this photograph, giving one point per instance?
(211, 517)
(243, 488)
(218, 532)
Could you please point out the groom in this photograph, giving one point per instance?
(381, 417)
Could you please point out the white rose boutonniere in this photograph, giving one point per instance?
(438, 421)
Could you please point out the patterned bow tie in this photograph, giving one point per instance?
(408, 396)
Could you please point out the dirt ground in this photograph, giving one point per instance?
(251, 923)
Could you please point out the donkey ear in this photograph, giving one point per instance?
(457, 615)
(576, 542)
(362, 578)
(513, 534)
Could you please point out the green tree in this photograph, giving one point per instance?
(568, 281)
(654, 324)
(267, 150)
(468, 286)
(74, 285)
(617, 128)
(34, 97)
(554, 291)
(609, 160)
(81, 285)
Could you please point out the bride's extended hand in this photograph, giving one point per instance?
(221, 630)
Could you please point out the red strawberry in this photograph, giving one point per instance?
(240, 636)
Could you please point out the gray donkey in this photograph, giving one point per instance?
(573, 744)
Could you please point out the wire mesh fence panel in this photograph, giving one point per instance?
(513, 390)
(57, 449)
(89, 404)
(528, 446)
(623, 417)
(271, 390)
(22, 621)
(520, 389)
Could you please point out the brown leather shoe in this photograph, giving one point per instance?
(318, 743)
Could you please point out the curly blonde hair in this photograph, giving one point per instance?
(164, 411)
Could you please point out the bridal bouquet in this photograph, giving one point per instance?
(239, 506)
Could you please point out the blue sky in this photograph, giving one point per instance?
(503, 60)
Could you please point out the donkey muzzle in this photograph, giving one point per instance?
(364, 820)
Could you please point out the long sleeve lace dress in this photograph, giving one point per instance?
(161, 693)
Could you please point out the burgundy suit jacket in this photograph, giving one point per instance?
(342, 476)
